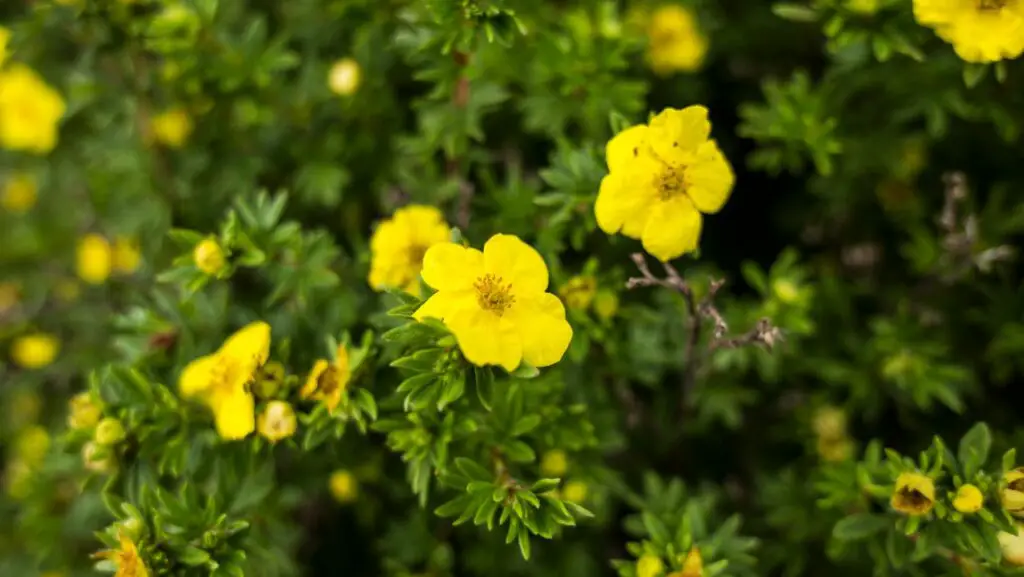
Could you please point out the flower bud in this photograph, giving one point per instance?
(1012, 545)
(579, 292)
(344, 486)
(1012, 495)
(132, 528)
(97, 458)
(344, 76)
(109, 432)
(269, 380)
(606, 304)
(649, 566)
(83, 412)
(830, 422)
(969, 499)
(277, 421)
(554, 463)
(914, 494)
(575, 491)
(209, 256)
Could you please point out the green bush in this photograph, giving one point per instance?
(492, 287)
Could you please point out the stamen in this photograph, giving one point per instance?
(492, 295)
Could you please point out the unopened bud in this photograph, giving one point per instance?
(110, 431)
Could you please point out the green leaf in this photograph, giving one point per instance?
(544, 485)
(526, 424)
(524, 544)
(525, 371)
(656, 529)
(519, 452)
(795, 12)
(473, 470)
(974, 73)
(194, 556)
(974, 448)
(859, 526)
(483, 378)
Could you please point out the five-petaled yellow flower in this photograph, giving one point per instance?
(30, 111)
(327, 381)
(914, 494)
(662, 176)
(979, 30)
(495, 303)
(675, 42)
(399, 243)
(222, 379)
(129, 563)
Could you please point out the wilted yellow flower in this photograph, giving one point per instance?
(693, 564)
(662, 176)
(126, 254)
(675, 42)
(649, 566)
(31, 445)
(171, 127)
(328, 381)
(98, 458)
(95, 259)
(8, 296)
(109, 431)
(914, 494)
(578, 292)
(606, 304)
(129, 563)
(830, 422)
(20, 192)
(979, 30)
(344, 76)
(495, 303)
(866, 7)
(84, 412)
(1012, 494)
(969, 499)
(34, 351)
(277, 421)
(398, 245)
(29, 111)
(344, 486)
(554, 463)
(209, 256)
(1012, 545)
(575, 491)
(221, 379)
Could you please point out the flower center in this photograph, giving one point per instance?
(492, 295)
(329, 381)
(670, 183)
(991, 5)
(913, 499)
(415, 255)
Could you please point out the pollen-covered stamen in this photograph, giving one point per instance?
(492, 295)
(670, 182)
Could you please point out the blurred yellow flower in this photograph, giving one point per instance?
(835, 449)
(495, 303)
(94, 259)
(20, 191)
(578, 292)
(344, 76)
(675, 41)
(1012, 545)
(83, 411)
(914, 494)
(31, 445)
(35, 351)
(126, 557)
(209, 256)
(222, 379)
(18, 479)
(662, 176)
(969, 499)
(328, 381)
(866, 7)
(29, 111)
(109, 431)
(979, 30)
(554, 463)
(126, 254)
(575, 491)
(829, 422)
(649, 566)
(97, 458)
(344, 486)
(693, 564)
(171, 127)
(277, 421)
(399, 243)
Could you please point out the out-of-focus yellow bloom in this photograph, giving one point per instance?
(1012, 545)
(29, 111)
(328, 381)
(95, 259)
(97, 458)
(67, 290)
(129, 563)
(18, 479)
(344, 486)
(1012, 494)
(606, 304)
(24, 408)
(866, 7)
(127, 255)
(969, 499)
(269, 380)
(835, 449)
(554, 463)
(676, 43)
(35, 351)
(662, 177)
(20, 191)
(979, 30)
(578, 292)
(575, 491)
(914, 494)
(649, 566)
(171, 127)
(83, 412)
(344, 76)
(786, 290)
(109, 431)
(209, 256)
(495, 303)
(829, 422)
(693, 564)
(8, 296)
(31, 445)
(399, 244)
(277, 421)
(222, 379)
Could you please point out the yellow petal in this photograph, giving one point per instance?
(622, 204)
(234, 414)
(426, 225)
(709, 179)
(311, 380)
(517, 263)
(987, 36)
(443, 304)
(250, 344)
(676, 134)
(625, 146)
(449, 266)
(486, 339)
(196, 379)
(673, 229)
(932, 12)
(542, 326)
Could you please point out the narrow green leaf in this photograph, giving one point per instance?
(859, 526)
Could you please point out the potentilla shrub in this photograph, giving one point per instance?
(680, 288)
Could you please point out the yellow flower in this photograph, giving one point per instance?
(968, 499)
(29, 111)
(109, 431)
(575, 491)
(18, 477)
(97, 458)
(830, 422)
(495, 303)
(328, 381)
(344, 76)
(606, 304)
(94, 259)
(126, 254)
(693, 565)
(35, 351)
(8, 296)
(399, 243)
(209, 256)
(277, 421)
(344, 486)
(578, 292)
(835, 449)
(129, 563)
(649, 566)
(979, 30)
(1012, 545)
(31, 445)
(675, 41)
(1012, 494)
(20, 193)
(171, 127)
(222, 379)
(84, 412)
(914, 494)
(661, 178)
(554, 463)
(866, 7)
